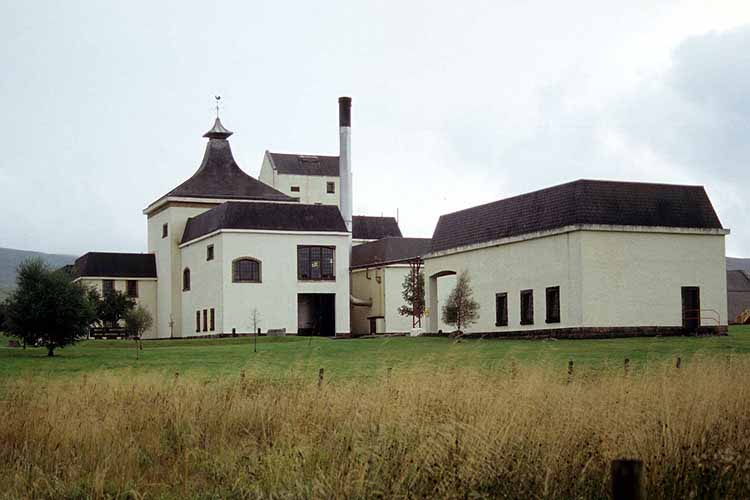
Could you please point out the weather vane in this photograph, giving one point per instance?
(218, 98)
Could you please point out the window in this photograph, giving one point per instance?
(197, 321)
(553, 304)
(330, 187)
(108, 286)
(501, 309)
(205, 320)
(315, 263)
(295, 189)
(186, 280)
(213, 319)
(132, 288)
(164, 230)
(210, 252)
(246, 270)
(527, 307)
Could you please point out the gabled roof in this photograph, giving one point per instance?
(219, 176)
(389, 250)
(365, 227)
(116, 265)
(294, 164)
(738, 293)
(575, 203)
(738, 281)
(267, 216)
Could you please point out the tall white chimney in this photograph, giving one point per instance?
(345, 159)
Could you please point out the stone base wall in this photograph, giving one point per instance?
(588, 332)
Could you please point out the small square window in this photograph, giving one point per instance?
(330, 187)
(295, 189)
(164, 230)
(210, 252)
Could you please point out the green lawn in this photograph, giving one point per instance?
(283, 356)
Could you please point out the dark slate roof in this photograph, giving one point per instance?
(578, 202)
(268, 216)
(219, 176)
(389, 251)
(116, 265)
(365, 227)
(738, 293)
(305, 164)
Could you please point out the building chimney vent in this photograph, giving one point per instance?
(345, 111)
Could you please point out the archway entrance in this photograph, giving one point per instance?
(439, 286)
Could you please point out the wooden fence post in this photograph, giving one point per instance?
(627, 483)
(320, 378)
(678, 363)
(570, 371)
(627, 366)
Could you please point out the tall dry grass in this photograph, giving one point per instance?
(519, 433)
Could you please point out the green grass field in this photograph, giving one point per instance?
(278, 357)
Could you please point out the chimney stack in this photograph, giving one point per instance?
(345, 160)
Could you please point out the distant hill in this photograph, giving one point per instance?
(735, 264)
(11, 258)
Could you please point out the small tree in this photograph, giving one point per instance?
(255, 319)
(461, 310)
(112, 307)
(137, 321)
(413, 294)
(47, 308)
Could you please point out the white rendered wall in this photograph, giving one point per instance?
(206, 280)
(169, 265)
(635, 279)
(606, 278)
(275, 297)
(312, 188)
(532, 264)
(146, 295)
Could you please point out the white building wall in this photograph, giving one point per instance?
(393, 282)
(275, 297)
(168, 263)
(635, 279)
(146, 295)
(312, 188)
(531, 264)
(206, 280)
(607, 278)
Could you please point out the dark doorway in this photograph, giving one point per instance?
(691, 308)
(316, 314)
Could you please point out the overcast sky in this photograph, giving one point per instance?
(454, 103)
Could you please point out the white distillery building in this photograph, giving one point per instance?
(584, 259)
(587, 259)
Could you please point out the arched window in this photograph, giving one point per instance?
(246, 270)
(186, 279)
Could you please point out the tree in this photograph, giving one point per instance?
(413, 294)
(48, 309)
(112, 307)
(461, 309)
(3, 314)
(137, 321)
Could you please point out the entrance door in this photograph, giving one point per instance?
(316, 314)
(691, 308)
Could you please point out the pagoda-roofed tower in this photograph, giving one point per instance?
(218, 179)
